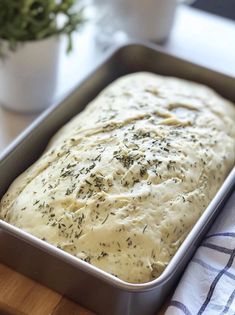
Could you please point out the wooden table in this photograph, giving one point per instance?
(20, 296)
(197, 36)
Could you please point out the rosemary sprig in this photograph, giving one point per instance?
(26, 20)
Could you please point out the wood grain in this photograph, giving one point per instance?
(20, 295)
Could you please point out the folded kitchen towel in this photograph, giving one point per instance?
(208, 283)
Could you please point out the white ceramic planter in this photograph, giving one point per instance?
(28, 75)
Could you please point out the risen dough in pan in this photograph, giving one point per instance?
(123, 183)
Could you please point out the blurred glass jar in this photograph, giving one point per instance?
(142, 19)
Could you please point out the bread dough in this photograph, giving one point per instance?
(122, 184)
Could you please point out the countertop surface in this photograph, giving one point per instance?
(196, 36)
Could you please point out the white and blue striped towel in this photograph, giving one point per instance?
(208, 284)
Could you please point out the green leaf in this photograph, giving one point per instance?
(26, 20)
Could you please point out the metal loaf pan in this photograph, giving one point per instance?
(59, 270)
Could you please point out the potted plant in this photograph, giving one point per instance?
(29, 48)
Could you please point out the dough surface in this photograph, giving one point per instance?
(122, 184)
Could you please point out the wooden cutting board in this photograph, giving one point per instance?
(20, 295)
